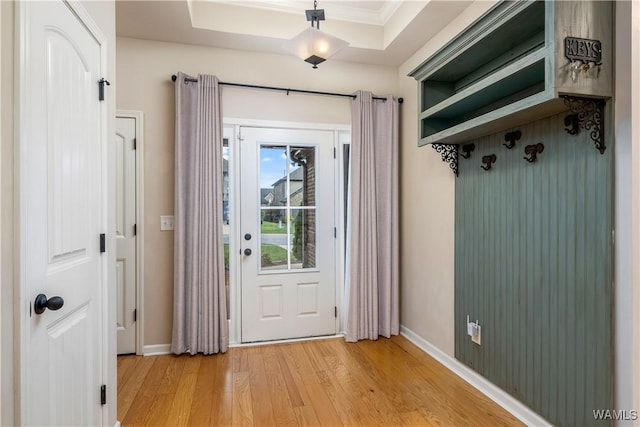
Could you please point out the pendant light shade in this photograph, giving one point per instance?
(313, 45)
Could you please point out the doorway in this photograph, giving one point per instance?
(287, 233)
(129, 239)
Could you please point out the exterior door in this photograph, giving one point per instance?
(126, 265)
(62, 201)
(287, 234)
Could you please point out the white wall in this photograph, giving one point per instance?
(627, 207)
(144, 83)
(427, 210)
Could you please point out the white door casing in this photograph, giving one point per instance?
(291, 300)
(126, 231)
(61, 196)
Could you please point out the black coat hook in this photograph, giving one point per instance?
(511, 138)
(488, 160)
(572, 123)
(532, 151)
(467, 149)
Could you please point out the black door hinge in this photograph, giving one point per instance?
(103, 243)
(335, 312)
(135, 315)
(103, 394)
(135, 229)
(101, 84)
(135, 144)
(335, 233)
(335, 153)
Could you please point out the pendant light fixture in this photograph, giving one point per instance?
(312, 45)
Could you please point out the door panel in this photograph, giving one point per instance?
(126, 239)
(61, 204)
(288, 277)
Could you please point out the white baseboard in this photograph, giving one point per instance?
(156, 349)
(486, 387)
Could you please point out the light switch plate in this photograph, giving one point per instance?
(166, 222)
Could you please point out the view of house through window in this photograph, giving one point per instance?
(287, 207)
(225, 215)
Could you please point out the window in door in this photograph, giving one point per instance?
(287, 207)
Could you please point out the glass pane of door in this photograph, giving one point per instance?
(287, 205)
(225, 217)
(303, 251)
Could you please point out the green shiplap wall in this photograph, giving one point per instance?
(534, 266)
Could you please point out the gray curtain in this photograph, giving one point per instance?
(199, 306)
(372, 248)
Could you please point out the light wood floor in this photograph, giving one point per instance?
(329, 382)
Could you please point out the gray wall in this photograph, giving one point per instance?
(534, 265)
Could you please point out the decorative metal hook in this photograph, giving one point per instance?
(488, 160)
(467, 149)
(532, 151)
(511, 138)
(572, 124)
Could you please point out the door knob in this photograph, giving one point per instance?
(42, 303)
(247, 236)
(247, 251)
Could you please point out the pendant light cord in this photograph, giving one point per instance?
(317, 21)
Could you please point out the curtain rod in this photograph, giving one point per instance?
(284, 89)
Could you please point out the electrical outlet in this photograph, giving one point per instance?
(476, 338)
(166, 222)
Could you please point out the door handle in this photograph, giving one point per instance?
(42, 303)
(247, 251)
(247, 236)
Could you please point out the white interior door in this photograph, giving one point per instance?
(61, 196)
(126, 235)
(288, 239)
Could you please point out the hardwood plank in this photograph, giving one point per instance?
(282, 408)
(221, 409)
(327, 415)
(146, 396)
(242, 412)
(203, 394)
(306, 416)
(260, 396)
(130, 388)
(125, 366)
(224, 413)
(292, 385)
(415, 418)
(183, 399)
(240, 362)
(347, 394)
(159, 411)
